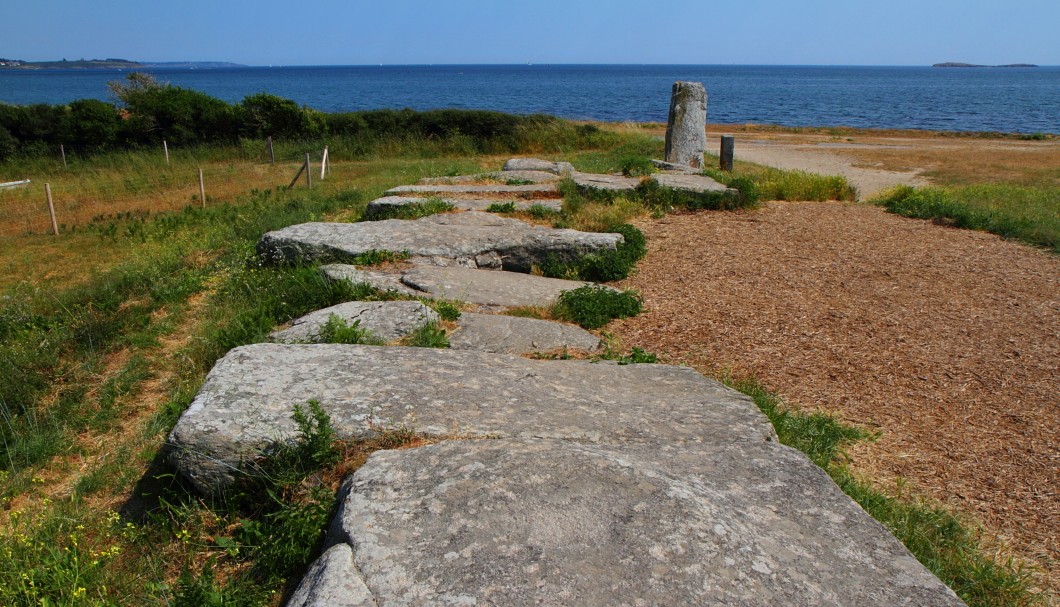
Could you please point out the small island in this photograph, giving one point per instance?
(956, 64)
(108, 64)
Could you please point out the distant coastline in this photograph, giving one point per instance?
(956, 64)
(109, 64)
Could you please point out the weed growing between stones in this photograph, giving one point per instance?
(540, 211)
(501, 207)
(593, 306)
(429, 206)
(447, 310)
(337, 331)
(428, 336)
(376, 257)
(951, 548)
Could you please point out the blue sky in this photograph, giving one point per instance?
(333, 32)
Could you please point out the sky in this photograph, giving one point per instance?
(355, 32)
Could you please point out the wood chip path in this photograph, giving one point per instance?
(946, 341)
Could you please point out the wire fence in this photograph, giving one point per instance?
(86, 194)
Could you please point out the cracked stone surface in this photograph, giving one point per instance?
(514, 335)
(488, 288)
(386, 320)
(245, 405)
(535, 188)
(470, 239)
(536, 164)
(607, 183)
(382, 205)
(547, 522)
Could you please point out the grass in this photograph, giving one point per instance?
(429, 206)
(593, 306)
(947, 545)
(1028, 214)
(101, 353)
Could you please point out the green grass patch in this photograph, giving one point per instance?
(429, 335)
(1029, 214)
(769, 183)
(951, 548)
(593, 306)
(377, 257)
(501, 207)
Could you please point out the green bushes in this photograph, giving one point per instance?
(593, 306)
(605, 266)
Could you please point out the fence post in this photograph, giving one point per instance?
(308, 172)
(324, 163)
(62, 150)
(51, 208)
(165, 148)
(728, 145)
(272, 156)
(202, 190)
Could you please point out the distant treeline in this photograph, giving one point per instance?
(148, 112)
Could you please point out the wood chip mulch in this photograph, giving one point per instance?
(945, 341)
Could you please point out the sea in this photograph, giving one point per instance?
(1017, 100)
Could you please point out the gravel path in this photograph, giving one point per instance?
(946, 341)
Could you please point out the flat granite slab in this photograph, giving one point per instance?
(384, 320)
(470, 239)
(486, 287)
(515, 335)
(380, 206)
(501, 176)
(483, 287)
(245, 405)
(547, 522)
(691, 183)
(605, 183)
(534, 188)
(536, 164)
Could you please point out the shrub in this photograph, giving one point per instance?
(265, 115)
(593, 306)
(605, 266)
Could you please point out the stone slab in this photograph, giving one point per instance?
(384, 281)
(691, 183)
(536, 188)
(606, 183)
(380, 206)
(501, 176)
(385, 320)
(544, 522)
(515, 335)
(487, 287)
(470, 239)
(333, 581)
(536, 164)
(244, 407)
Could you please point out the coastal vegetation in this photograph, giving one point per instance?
(108, 331)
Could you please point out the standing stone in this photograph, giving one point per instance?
(686, 136)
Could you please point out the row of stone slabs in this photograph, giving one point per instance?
(554, 482)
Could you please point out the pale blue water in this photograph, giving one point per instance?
(960, 99)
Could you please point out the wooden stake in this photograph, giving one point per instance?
(272, 156)
(62, 150)
(728, 146)
(308, 172)
(202, 190)
(51, 208)
(165, 148)
(323, 163)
